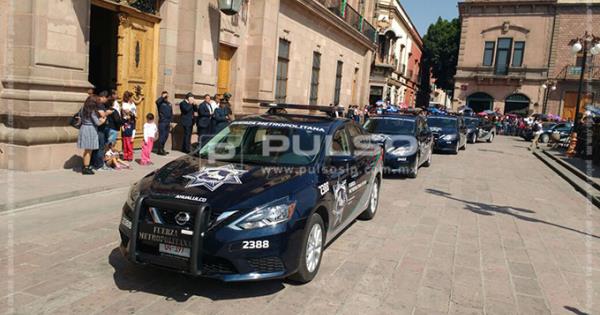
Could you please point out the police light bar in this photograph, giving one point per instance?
(330, 110)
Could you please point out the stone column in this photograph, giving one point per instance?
(261, 58)
(43, 81)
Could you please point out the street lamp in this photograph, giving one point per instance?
(230, 7)
(548, 86)
(588, 44)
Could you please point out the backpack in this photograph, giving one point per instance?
(75, 121)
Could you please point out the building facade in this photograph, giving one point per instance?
(52, 52)
(515, 56)
(396, 67)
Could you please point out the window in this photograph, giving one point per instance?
(518, 53)
(283, 59)
(488, 54)
(314, 79)
(340, 144)
(338, 83)
(503, 55)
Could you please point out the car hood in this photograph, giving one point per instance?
(222, 184)
(443, 131)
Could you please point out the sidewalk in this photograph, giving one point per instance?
(22, 189)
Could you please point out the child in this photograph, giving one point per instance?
(111, 158)
(150, 132)
(128, 133)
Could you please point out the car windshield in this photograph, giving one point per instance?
(472, 122)
(547, 126)
(442, 122)
(391, 126)
(265, 143)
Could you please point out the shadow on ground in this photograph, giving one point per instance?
(489, 209)
(575, 310)
(179, 287)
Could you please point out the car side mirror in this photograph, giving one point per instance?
(341, 160)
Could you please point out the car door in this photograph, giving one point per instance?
(339, 177)
(360, 175)
(420, 136)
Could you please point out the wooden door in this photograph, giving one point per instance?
(137, 63)
(570, 102)
(224, 68)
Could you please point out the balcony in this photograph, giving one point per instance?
(573, 72)
(351, 17)
(510, 75)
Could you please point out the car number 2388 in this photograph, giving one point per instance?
(255, 244)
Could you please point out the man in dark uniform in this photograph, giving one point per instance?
(204, 120)
(165, 114)
(187, 121)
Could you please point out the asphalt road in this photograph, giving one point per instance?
(491, 230)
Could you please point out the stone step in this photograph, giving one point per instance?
(588, 190)
(589, 179)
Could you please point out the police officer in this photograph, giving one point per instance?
(165, 114)
(204, 122)
(187, 121)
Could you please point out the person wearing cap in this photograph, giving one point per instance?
(187, 121)
(204, 121)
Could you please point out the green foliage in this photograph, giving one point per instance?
(440, 55)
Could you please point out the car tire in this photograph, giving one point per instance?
(544, 138)
(428, 162)
(371, 210)
(415, 170)
(491, 138)
(308, 267)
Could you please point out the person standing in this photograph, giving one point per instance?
(103, 131)
(221, 118)
(187, 121)
(88, 132)
(127, 134)
(537, 132)
(204, 120)
(114, 120)
(150, 131)
(165, 114)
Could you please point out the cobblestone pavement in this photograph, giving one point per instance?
(491, 230)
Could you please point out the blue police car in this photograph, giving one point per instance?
(449, 132)
(260, 200)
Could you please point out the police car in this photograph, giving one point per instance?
(259, 201)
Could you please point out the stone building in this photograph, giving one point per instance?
(573, 19)
(53, 51)
(395, 71)
(513, 51)
(504, 54)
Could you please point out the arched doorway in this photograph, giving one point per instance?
(480, 101)
(517, 104)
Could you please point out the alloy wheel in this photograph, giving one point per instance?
(314, 247)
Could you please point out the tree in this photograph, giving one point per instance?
(440, 55)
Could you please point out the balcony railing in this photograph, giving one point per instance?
(351, 17)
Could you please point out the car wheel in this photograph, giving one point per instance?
(428, 162)
(491, 138)
(373, 202)
(415, 169)
(545, 138)
(312, 250)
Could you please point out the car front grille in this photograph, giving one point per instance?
(266, 265)
(215, 265)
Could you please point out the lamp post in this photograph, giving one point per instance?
(589, 44)
(548, 86)
(230, 7)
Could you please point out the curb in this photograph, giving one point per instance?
(573, 169)
(594, 198)
(56, 197)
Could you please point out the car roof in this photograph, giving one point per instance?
(443, 116)
(397, 115)
(324, 122)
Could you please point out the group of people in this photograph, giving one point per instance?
(210, 116)
(103, 117)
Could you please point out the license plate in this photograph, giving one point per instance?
(174, 250)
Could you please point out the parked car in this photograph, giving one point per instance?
(408, 142)
(562, 129)
(546, 127)
(473, 124)
(449, 132)
(232, 212)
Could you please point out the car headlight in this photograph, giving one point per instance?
(133, 195)
(270, 214)
(400, 151)
(449, 137)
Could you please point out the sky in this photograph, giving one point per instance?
(424, 12)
